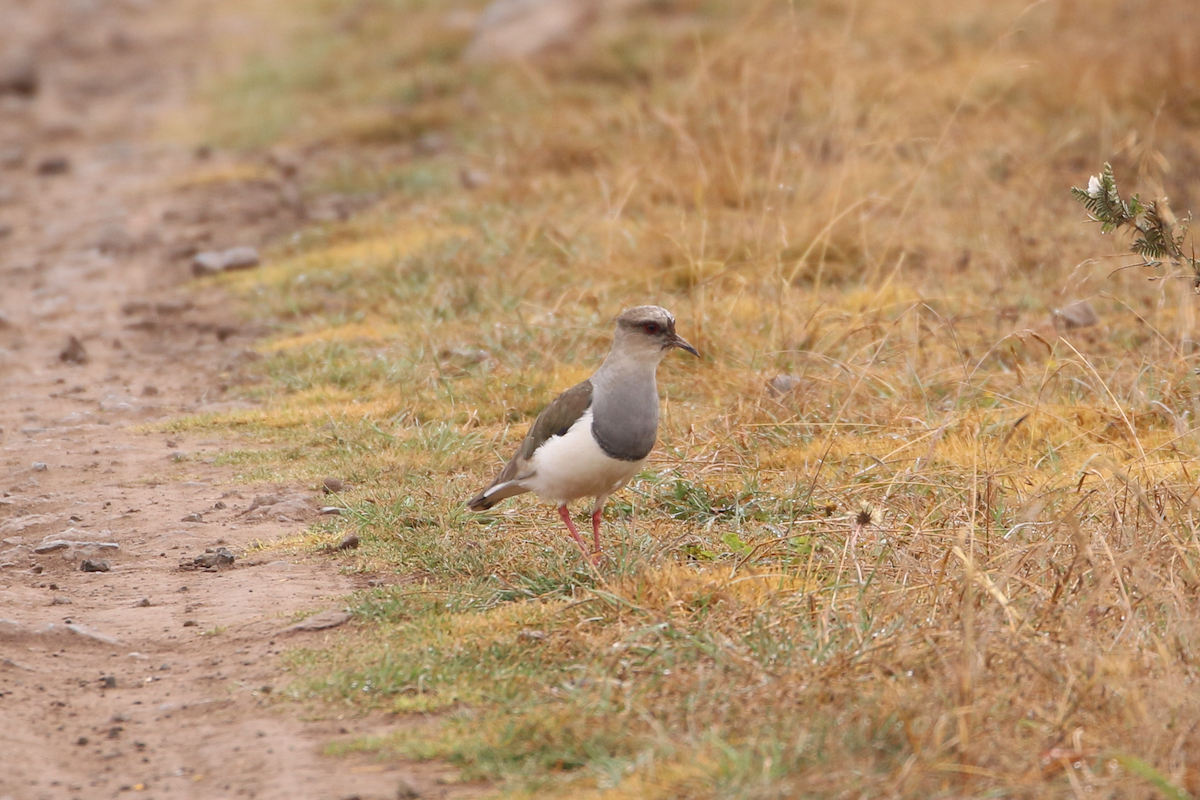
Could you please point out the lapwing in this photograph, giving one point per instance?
(594, 437)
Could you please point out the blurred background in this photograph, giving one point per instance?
(920, 524)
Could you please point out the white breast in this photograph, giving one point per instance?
(572, 466)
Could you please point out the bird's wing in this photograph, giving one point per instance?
(555, 420)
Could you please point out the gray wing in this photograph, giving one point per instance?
(555, 420)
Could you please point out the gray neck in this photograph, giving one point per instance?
(625, 405)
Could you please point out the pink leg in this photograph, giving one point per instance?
(597, 515)
(566, 517)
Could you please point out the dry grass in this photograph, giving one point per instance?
(869, 196)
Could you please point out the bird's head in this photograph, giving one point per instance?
(649, 331)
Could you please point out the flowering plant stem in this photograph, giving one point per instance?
(1160, 235)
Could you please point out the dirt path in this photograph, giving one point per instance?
(146, 678)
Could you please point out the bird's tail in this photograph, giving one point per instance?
(494, 494)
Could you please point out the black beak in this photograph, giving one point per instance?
(682, 345)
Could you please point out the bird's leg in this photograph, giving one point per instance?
(597, 515)
(566, 517)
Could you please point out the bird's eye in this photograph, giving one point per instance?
(650, 327)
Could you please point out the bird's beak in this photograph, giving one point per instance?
(682, 345)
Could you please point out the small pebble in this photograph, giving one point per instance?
(323, 621)
(39, 466)
(473, 178)
(19, 76)
(196, 517)
(214, 557)
(211, 262)
(782, 384)
(406, 791)
(54, 165)
(74, 352)
(1079, 314)
(94, 565)
(243, 257)
(143, 603)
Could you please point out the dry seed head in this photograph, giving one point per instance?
(868, 515)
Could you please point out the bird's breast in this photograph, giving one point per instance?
(573, 465)
(625, 423)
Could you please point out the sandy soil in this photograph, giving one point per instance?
(147, 679)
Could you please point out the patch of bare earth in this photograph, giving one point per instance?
(146, 678)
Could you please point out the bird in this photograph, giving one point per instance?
(594, 437)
